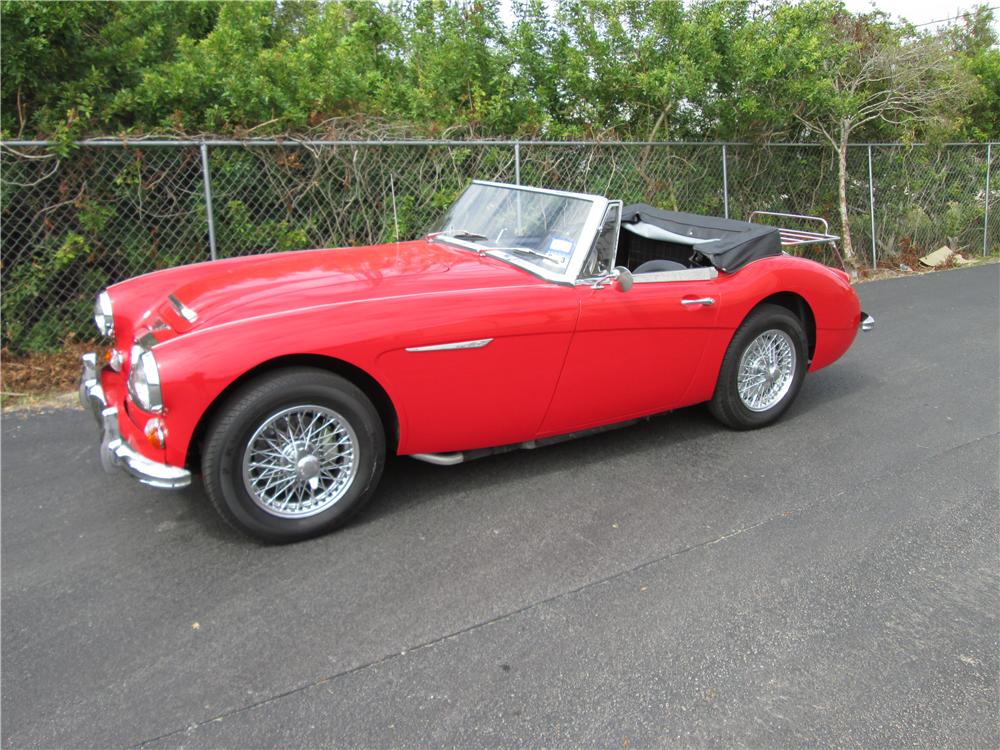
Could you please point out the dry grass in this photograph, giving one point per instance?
(911, 259)
(40, 379)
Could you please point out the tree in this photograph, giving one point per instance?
(976, 41)
(455, 69)
(643, 69)
(290, 64)
(64, 63)
(837, 74)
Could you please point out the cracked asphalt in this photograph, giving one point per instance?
(832, 581)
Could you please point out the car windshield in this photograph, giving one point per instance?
(525, 226)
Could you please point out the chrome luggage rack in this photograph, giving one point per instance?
(794, 237)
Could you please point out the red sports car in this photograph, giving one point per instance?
(528, 316)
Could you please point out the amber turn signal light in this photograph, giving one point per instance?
(156, 433)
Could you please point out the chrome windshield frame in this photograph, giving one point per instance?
(588, 234)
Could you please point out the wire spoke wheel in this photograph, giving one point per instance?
(766, 370)
(300, 461)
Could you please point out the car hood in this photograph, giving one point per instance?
(208, 294)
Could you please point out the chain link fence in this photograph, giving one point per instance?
(110, 210)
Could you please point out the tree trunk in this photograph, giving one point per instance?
(845, 228)
(649, 181)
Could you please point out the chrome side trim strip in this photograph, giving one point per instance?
(477, 344)
(183, 310)
(457, 457)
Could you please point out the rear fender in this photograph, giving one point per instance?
(822, 297)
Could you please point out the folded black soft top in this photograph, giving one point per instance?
(728, 244)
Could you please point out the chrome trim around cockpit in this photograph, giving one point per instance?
(588, 234)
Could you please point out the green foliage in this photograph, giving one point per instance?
(814, 70)
(241, 234)
(978, 46)
(661, 69)
(63, 64)
(982, 117)
(253, 67)
(30, 282)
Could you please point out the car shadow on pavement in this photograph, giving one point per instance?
(408, 483)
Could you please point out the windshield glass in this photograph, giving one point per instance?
(526, 226)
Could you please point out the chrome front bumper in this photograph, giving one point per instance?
(115, 452)
(867, 322)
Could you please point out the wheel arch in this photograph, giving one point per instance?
(369, 386)
(798, 306)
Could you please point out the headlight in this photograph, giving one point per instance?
(144, 380)
(103, 316)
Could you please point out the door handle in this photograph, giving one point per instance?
(706, 301)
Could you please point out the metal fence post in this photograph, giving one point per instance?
(517, 162)
(986, 216)
(725, 184)
(208, 200)
(871, 205)
(395, 217)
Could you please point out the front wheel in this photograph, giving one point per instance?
(762, 371)
(293, 454)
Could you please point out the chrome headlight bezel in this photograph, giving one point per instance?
(144, 380)
(104, 315)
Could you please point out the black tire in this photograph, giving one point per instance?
(259, 411)
(784, 327)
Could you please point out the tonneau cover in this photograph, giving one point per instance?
(728, 244)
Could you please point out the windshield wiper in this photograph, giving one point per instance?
(464, 234)
(458, 234)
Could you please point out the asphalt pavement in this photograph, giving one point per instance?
(833, 580)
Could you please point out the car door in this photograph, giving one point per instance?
(476, 370)
(634, 352)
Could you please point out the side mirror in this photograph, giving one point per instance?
(623, 279)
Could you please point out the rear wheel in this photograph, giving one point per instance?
(293, 454)
(763, 369)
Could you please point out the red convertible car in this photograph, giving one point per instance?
(527, 317)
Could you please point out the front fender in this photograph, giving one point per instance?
(466, 397)
(198, 367)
